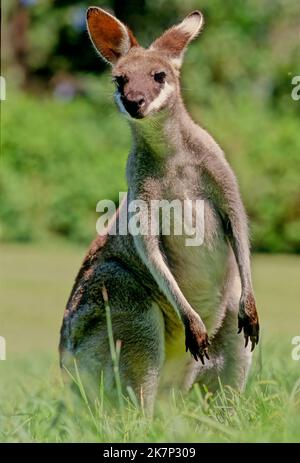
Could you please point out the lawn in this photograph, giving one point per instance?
(34, 407)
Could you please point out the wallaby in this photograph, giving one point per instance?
(165, 298)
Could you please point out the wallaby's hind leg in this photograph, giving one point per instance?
(142, 352)
(137, 322)
(229, 360)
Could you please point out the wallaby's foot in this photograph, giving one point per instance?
(248, 320)
(196, 340)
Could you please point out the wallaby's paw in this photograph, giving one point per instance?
(248, 321)
(196, 341)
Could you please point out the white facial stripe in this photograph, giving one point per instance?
(161, 99)
(155, 105)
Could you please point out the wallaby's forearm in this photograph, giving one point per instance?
(238, 236)
(229, 203)
(196, 336)
(149, 251)
(237, 232)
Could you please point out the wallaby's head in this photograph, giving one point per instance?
(147, 80)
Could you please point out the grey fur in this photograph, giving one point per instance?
(163, 294)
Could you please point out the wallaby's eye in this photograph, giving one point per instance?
(120, 81)
(159, 77)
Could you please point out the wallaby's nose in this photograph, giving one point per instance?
(134, 103)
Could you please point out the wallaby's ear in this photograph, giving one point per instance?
(175, 40)
(111, 38)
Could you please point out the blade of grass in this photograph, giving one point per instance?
(114, 350)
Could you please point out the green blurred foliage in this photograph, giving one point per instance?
(60, 160)
(61, 157)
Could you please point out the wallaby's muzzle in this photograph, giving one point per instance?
(134, 103)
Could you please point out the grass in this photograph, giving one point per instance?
(35, 282)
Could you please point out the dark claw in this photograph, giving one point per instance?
(248, 320)
(197, 343)
(206, 354)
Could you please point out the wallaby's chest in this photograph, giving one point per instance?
(196, 247)
(191, 233)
